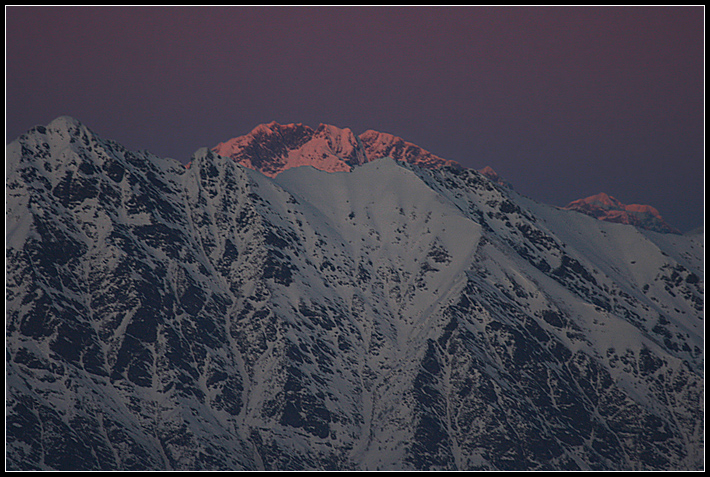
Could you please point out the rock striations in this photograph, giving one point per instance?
(379, 317)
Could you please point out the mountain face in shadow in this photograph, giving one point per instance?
(383, 316)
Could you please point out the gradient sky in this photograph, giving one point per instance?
(562, 102)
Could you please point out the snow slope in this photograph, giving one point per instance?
(382, 317)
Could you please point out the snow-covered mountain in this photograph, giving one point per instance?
(378, 145)
(605, 207)
(386, 316)
(273, 148)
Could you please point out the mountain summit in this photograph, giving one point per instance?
(273, 148)
(379, 145)
(605, 207)
(495, 177)
(391, 317)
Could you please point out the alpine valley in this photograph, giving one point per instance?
(393, 311)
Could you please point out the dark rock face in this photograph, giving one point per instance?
(394, 317)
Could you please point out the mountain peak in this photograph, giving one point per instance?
(62, 124)
(602, 199)
(272, 148)
(66, 122)
(266, 128)
(379, 144)
(494, 177)
(605, 207)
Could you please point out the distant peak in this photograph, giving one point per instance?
(263, 129)
(371, 135)
(609, 209)
(330, 129)
(277, 128)
(272, 148)
(493, 176)
(602, 199)
(379, 144)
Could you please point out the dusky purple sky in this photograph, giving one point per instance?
(564, 102)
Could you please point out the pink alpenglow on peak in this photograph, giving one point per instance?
(600, 200)
(605, 207)
(494, 177)
(379, 145)
(272, 148)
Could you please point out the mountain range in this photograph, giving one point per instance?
(389, 310)
(273, 148)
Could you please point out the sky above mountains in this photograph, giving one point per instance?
(562, 102)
